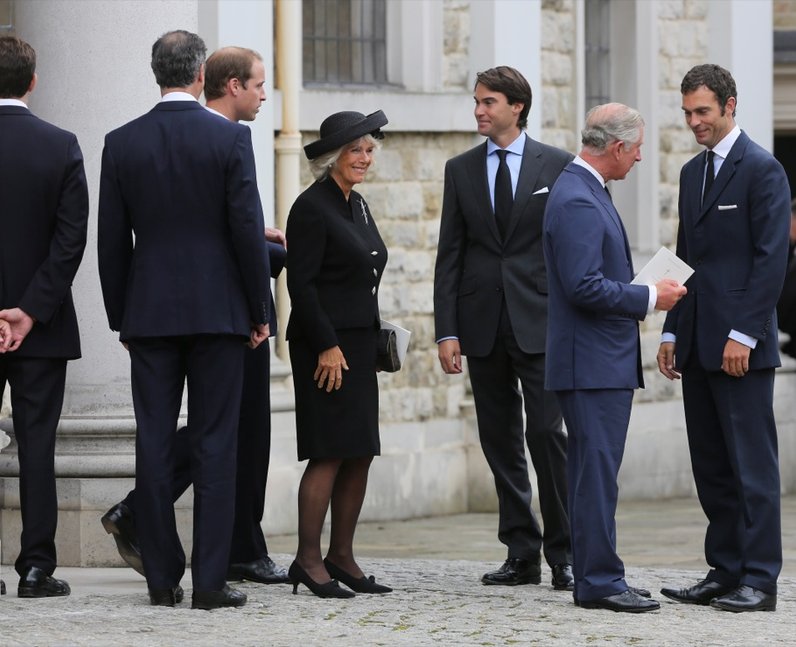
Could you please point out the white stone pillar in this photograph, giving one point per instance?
(506, 32)
(732, 23)
(94, 75)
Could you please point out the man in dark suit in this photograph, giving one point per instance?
(490, 304)
(184, 273)
(234, 89)
(734, 220)
(43, 220)
(593, 351)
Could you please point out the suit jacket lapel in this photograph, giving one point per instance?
(476, 176)
(530, 169)
(725, 174)
(602, 197)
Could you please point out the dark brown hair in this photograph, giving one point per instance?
(715, 78)
(17, 66)
(510, 82)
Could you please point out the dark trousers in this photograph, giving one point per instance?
(213, 367)
(498, 405)
(37, 395)
(732, 438)
(254, 451)
(597, 423)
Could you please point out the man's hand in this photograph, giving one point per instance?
(20, 323)
(5, 336)
(666, 360)
(258, 335)
(450, 356)
(669, 293)
(735, 360)
(329, 372)
(276, 236)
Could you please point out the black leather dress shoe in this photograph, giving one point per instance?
(119, 522)
(166, 597)
(701, 593)
(626, 602)
(262, 570)
(513, 572)
(562, 577)
(746, 598)
(226, 597)
(35, 583)
(2, 587)
(644, 593)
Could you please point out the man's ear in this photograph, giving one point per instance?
(233, 86)
(33, 83)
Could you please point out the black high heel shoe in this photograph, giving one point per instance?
(360, 585)
(330, 589)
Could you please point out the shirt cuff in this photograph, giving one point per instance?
(741, 338)
(668, 338)
(653, 299)
(442, 339)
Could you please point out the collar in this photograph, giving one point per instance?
(722, 149)
(517, 146)
(13, 102)
(177, 96)
(216, 112)
(582, 162)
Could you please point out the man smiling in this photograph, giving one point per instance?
(490, 303)
(734, 212)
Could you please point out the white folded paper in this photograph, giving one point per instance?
(664, 265)
(402, 336)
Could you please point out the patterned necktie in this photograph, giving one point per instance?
(504, 198)
(710, 174)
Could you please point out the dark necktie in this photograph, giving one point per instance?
(504, 198)
(710, 174)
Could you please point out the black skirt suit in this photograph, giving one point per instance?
(335, 261)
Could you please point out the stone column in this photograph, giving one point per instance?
(94, 75)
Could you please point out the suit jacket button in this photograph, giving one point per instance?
(373, 291)
(375, 273)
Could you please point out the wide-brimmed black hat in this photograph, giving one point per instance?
(343, 127)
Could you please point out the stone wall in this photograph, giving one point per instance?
(784, 14)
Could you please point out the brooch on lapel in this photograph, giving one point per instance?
(364, 210)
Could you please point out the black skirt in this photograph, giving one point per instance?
(343, 423)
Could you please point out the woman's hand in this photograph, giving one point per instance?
(331, 365)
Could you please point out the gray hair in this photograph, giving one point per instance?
(321, 165)
(609, 123)
(177, 57)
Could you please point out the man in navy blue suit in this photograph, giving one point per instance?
(185, 279)
(43, 220)
(234, 89)
(593, 353)
(734, 211)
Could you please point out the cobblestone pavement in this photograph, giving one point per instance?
(436, 601)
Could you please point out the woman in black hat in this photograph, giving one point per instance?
(334, 265)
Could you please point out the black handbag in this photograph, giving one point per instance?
(387, 359)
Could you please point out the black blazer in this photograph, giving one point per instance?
(335, 261)
(475, 269)
(180, 239)
(43, 220)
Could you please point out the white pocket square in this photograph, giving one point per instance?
(727, 207)
(542, 190)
